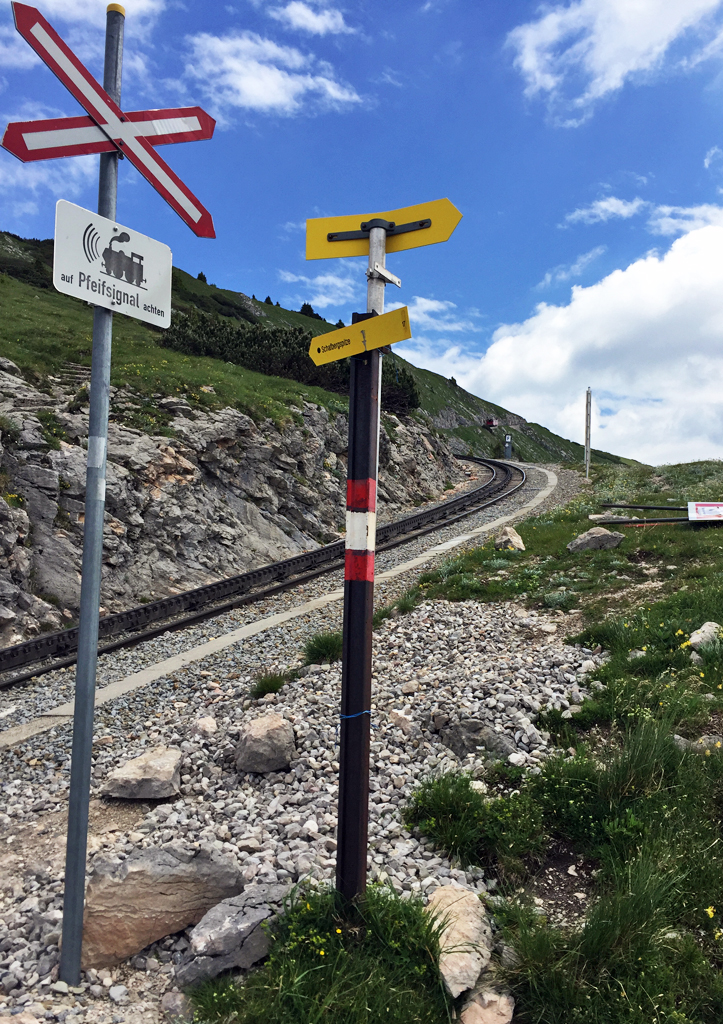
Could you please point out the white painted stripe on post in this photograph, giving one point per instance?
(361, 531)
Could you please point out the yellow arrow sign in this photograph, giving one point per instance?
(376, 332)
(443, 218)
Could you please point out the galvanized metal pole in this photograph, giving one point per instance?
(76, 848)
(588, 410)
(356, 678)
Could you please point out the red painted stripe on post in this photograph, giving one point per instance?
(359, 565)
(361, 495)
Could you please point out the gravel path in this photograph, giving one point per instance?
(440, 672)
(445, 676)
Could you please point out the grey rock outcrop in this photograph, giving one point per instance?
(152, 776)
(221, 496)
(153, 893)
(266, 745)
(466, 937)
(596, 539)
(230, 934)
(469, 734)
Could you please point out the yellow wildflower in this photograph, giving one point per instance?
(710, 911)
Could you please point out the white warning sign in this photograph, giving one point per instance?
(705, 511)
(110, 265)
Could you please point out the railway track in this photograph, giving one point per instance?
(58, 650)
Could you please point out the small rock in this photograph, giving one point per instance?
(488, 1007)
(402, 722)
(509, 540)
(176, 1007)
(266, 745)
(26, 1018)
(61, 987)
(695, 658)
(588, 666)
(118, 993)
(152, 776)
(518, 759)
(204, 728)
(708, 633)
(596, 539)
(410, 687)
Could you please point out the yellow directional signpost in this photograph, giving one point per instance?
(372, 235)
(412, 226)
(376, 332)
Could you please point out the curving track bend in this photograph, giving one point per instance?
(56, 650)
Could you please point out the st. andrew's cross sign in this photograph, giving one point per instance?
(107, 128)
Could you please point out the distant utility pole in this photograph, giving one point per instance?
(588, 408)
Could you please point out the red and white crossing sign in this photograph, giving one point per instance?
(132, 134)
(77, 136)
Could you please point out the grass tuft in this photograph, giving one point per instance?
(329, 964)
(323, 647)
(271, 682)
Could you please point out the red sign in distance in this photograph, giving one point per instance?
(117, 126)
(78, 136)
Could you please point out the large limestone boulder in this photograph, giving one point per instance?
(708, 633)
(152, 776)
(466, 937)
(596, 539)
(266, 745)
(153, 893)
(509, 540)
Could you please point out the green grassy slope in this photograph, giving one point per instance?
(41, 329)
(461, 416)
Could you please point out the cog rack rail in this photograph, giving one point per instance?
(215, 598)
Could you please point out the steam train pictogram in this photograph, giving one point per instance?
(118, 264)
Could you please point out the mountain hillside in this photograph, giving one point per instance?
(43, 331)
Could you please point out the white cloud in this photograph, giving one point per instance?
(564, 272)
(329, 289)
(712, 156)
(648, 339)
(662, 220)
(576, 53)
(434, 315)
(245, 70)
(606, 209)
(299, 15)
(14, 51)
(24, 186)
(677, 220)
(94, 11)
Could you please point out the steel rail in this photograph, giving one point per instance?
(213, 599)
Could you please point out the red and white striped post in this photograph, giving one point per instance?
(356, 675)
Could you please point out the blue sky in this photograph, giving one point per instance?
(582, 141)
